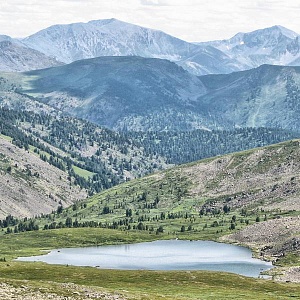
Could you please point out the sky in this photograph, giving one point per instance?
(190, 20)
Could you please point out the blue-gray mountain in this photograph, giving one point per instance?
(68, 43)
(112, 37)
(134, 93)
(275, 45)
(15, 56)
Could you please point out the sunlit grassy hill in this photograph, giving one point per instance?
(203, 200)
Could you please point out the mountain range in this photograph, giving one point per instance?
(142, 94)
(140, 82)
(275, 45)
(111, 37)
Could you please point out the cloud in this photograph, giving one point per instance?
(192, 20)
(154, 3)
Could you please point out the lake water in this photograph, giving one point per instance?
(161, 255)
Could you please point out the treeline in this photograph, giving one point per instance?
(15, 225)
(188, 146)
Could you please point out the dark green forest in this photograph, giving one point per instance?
(110, 156)
(188, 146)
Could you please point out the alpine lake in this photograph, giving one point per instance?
(161, 255)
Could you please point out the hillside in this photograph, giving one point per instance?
(30, 186)
(94, 158)
(122, 93)
(263, 178)
(187, 146)
(206, 199)
(267, 96)
(65, 160)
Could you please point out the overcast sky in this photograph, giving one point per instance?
(191, 20)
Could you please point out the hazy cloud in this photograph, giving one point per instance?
(192, 20)
(154, 2)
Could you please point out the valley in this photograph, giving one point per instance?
(112, 133)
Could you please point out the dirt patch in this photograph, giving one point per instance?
(271, 241)
(24, 292)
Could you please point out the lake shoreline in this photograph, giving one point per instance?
(161, 255)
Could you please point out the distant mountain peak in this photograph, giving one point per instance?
(105, 21)
(113, 37)
(5, 38)
(266, 33)
(285, 31)
(14, 56)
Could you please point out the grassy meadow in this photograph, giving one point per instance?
(139, 284)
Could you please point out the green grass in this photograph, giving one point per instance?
(31, 243)
(83, 173)
(152, 284)
(5, 137)
(132, 284)
(289, 259)
(171, 188)
(128, 196)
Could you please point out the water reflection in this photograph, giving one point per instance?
(161, 255)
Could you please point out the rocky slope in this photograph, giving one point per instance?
(30, 186)
(273, 240)
(265, 178)
(26, 292)
(16, 57)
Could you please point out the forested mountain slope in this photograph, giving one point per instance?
(142, 94)
(263, 178)
(187, 146)
(61, 160)
(95, 158)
